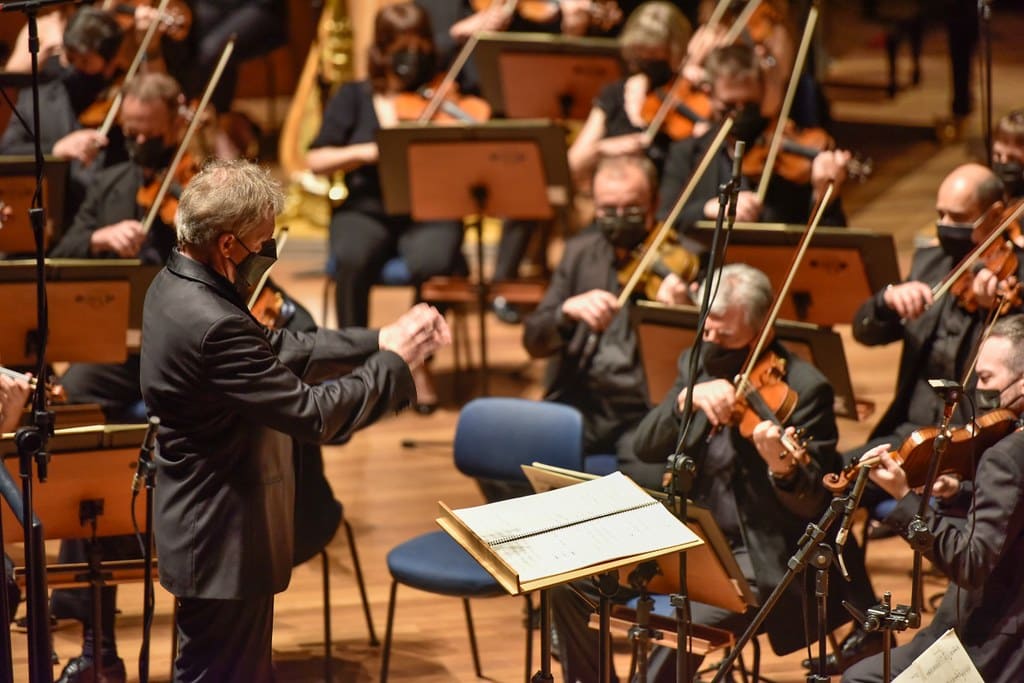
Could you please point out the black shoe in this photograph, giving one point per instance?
(505, 311)
(857, 646)
(79, 669)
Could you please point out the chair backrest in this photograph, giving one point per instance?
(494, 436)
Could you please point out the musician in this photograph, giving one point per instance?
(363, 236)
(760, 494)
(736, 82)
(1008, 152)
(653, 44)
(72, 81)
(230, 395)
(610, 392)
(985, 601)
(14, 394)
(937, 336)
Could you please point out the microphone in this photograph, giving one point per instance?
(34, 5)
(145, 454)
(734, 182)
(852, 501)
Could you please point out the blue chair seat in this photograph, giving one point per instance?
(602, 464)
(434, 562)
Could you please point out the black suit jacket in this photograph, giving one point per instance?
(785, 202)
(231, 396)
(772, 514)
(111, 199)
(985, 601)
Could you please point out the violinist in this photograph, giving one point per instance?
(402, 60)
(653, 44)
(981, 554)
(761, 494)
(737, 87)
(72, 81)
(1008, 152)
(611, 393)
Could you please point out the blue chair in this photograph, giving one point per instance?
(493, 437)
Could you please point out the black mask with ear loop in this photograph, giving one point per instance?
(413, 68)
(251, 269)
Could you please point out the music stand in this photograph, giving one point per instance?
(17, 185)
(843, 267)
(509, 169)
(664, 331)
(539, 75)
(98, 302)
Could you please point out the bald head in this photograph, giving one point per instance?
(967, 193)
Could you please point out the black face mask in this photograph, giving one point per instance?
(955, 239)
(150, 154)
(624, 231)
(987, 400)
(658, 71)
(413, 68)
(1012, 175)
(723, 363)
(251, 269)
(749, 124)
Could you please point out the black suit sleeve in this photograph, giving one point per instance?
(243, 368)
(547, 330)
(323, 354)
(76, 241)
(679, 166)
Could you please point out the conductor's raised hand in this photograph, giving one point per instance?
(418, 333)
(596, 308)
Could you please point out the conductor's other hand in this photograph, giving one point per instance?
(596, 308)
(909, 299)
(416, 335)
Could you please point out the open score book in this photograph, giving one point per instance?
(564, 534)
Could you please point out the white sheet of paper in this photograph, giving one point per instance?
(945, 661)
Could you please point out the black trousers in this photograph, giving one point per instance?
(362, 242)
(224, 641)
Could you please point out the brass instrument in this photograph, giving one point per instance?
(329, 63)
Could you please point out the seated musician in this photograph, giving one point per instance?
(610, 391)
(760, 493)
(653, 44)
(937, 336)
(73, 81)
(14, 394)
(1008, 152)
(985, 600)
(363, 236)
(736, 86)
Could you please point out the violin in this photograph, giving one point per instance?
(54, 392)
(453, 108)
(999, 257)
(271, 309)
(762, 394)
(796, 155)
(604, 14)
(690, 106)
(146, 196)
(672, 258)
(915, 453)
(175, 21)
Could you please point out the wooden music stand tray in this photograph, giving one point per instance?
(17, 185)
(515, 169)
(713, 575)
(664, 331)
(537, 75)
(843, 267)
(93, 306)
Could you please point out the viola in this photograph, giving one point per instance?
(798, 149)
(147, 194)
(672, 258)
(690, 106)
(915, 453)
(271, 309)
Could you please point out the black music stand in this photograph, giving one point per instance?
(538, 75)
(507, 169)
(17, 185)
(664, 331)
(843, 267)
(96, 303)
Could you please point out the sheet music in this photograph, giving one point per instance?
(945, 661)
(552, 509)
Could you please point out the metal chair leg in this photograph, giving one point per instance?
(472, 639)
(386, 654)
(325, 572)
(529, 637)
(374, 642)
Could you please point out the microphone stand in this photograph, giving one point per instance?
(145, 472)
(682, 467)
(985, 73)
(883, 616)
(31, 441)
